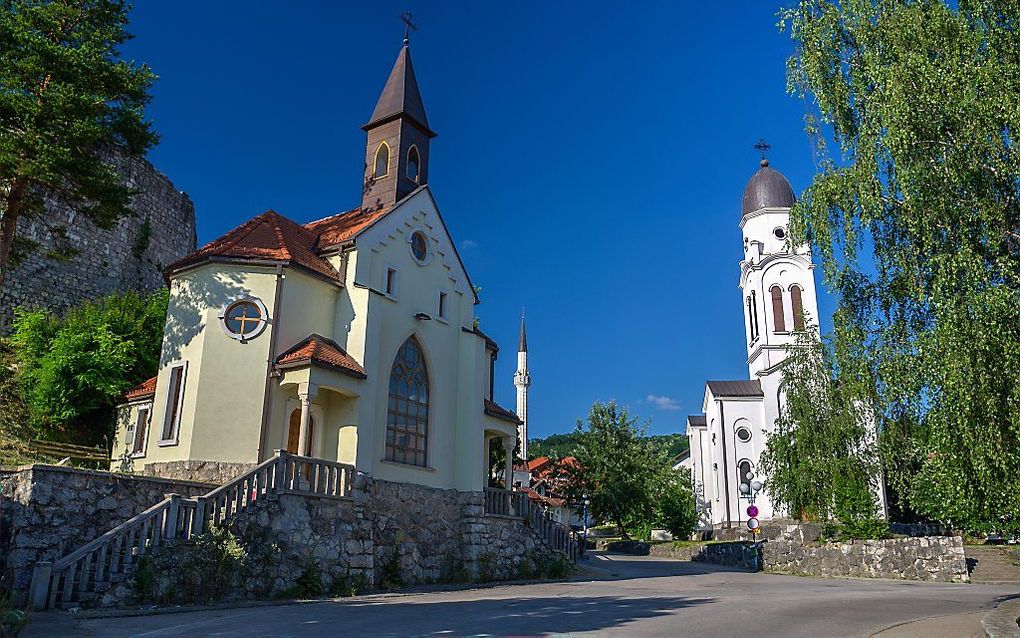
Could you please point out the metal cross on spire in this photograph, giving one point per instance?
(762, 147)
(409, 26)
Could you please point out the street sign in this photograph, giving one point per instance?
(752, 510)
(752, 523)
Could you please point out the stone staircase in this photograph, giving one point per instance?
(87, 575)
(993, 564)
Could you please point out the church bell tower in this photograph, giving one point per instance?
(397, 148)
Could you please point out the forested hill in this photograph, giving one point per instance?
(560, 445)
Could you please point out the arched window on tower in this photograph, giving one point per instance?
(382, 160)
(778, 312)
(407, 413)
(413, 164)
(797, 301)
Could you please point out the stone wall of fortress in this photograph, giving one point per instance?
(129, 256)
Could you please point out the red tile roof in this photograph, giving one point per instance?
(538, 463)
(497, 411)
(551, 501)
(273, 237)
(318, 350)
(144, 390)
(344, 226)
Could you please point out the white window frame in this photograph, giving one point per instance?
(391, 294)
(443, 306)
(428, 245)
(263, 319)
(175, 428)
(147, 426)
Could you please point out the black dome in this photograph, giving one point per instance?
(767, 189)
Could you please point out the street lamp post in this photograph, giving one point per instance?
(584, 523)
(749, 489)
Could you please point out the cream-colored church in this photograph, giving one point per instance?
(350, 338)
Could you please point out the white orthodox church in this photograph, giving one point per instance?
(778, 296)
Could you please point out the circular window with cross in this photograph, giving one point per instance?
(244, 319)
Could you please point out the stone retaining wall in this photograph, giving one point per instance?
(215, 472)
(936, 559)
(47, 511)
(436, 535)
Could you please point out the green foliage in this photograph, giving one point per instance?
(347, 585)
(619, 467)
(308, 585)
(873, 528)
(65, 98)
(217, 560)
(676, 509)
(391, 578)
(916, 215)
(73, 370)
(142, 241)
(820, 462)
(557, 446)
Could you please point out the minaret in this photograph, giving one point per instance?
(522, 380)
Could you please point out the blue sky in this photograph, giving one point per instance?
(590, 163)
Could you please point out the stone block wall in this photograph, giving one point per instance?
(129, 256)
(48, 511)
(936, 559)
(216, 472)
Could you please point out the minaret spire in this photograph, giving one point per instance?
(522, 380)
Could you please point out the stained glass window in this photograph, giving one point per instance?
(407, 413)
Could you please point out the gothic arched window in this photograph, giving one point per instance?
(797, 302)
(413, 164)
(382, 161)
(407, 413)
(778, 313)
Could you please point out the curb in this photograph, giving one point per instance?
(1004, 620)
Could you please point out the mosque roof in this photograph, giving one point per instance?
(767, 188)
(318, 350)
(722, 389)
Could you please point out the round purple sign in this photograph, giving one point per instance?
(752, 510)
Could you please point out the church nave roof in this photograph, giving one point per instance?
(736, 388)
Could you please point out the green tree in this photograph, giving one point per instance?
(618, 467)
(821, 461)
(916, 215)
(675, 506)
(66, 98)
(73, 370)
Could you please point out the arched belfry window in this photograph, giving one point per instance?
(382, 160)
(797, 301)
(407, 413)
(413, 164)
(778, 313)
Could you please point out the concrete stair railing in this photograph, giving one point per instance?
(558, 536)
(89, 571)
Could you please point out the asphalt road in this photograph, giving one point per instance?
(644, 597)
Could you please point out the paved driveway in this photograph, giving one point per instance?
(645, 597)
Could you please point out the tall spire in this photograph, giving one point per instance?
(523, 344)
(401, 96)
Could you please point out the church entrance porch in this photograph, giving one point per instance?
(314, 420)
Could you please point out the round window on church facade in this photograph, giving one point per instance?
(244, 319)
(743, 434)
(419, 246)
(779, 232)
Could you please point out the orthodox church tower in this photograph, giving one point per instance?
(776, 280)
(522, 379)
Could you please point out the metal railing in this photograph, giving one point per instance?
(86, 573)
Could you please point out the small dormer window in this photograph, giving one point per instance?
(413, 164)
(382, 161)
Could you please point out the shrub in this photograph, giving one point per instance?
(347, 585)
(391, 577)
